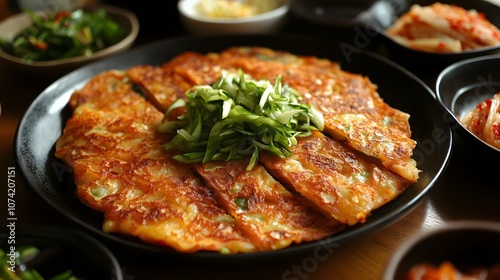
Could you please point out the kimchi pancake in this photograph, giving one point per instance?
(121, 168)
(345, 184)
(266, 211)
(353, 110)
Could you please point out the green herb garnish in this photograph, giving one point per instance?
(27, 263)
(63, 34)
(236, 117)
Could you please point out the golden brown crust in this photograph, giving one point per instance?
(266, 211)
(343, 183)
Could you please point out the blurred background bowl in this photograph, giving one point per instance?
(466, 244)
(65, 248)
(428, 61)
(460, 87)
(345, 13)
(56, 68)
(196, 22)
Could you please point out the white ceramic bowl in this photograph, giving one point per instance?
(196, 23)
(54, 68)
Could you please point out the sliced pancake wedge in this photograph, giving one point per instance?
(270, 215)
(345, 184)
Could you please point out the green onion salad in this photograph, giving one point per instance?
(63, 34)
(236, 117)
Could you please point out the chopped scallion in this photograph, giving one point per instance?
(236, 117)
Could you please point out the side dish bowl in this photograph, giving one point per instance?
(461, 86)
(55, 68)
(411, 58)
(62, 249)
(465, 244)
(197, 23)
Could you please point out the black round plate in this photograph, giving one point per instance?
(45, 119)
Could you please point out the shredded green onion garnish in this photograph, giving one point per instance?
(236, 117)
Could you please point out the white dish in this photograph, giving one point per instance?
(196, 23)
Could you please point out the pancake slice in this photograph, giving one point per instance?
(355, 113)
(121, 169)
(271, 216)
(345, 184)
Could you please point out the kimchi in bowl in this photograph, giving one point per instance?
(472, 87)
(435, 34)
(469, 248)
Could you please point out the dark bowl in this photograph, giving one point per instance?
(421, 60)
(461, 86)
(466, 244)
(344, 13)
(70, 249)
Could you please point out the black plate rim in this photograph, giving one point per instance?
(356, 231)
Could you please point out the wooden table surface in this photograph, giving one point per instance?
(468, 189)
